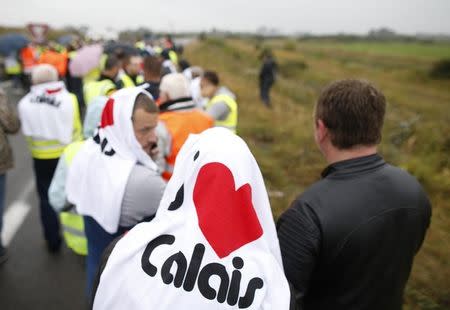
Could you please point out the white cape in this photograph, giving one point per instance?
(212, 244)
(99, 172)
(47, 112)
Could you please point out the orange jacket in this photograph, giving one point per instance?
(58, 60)
(28, 57)
(179, 125)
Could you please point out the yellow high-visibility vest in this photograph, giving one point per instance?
(158, 50)
(12, 67)
(95, 89)
(128, 81)
(231, 121)
(52, 149)
(71, 222)
(140, 45)
(173, 57)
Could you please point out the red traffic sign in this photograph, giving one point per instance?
(38, 32)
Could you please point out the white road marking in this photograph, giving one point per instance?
(16, 213)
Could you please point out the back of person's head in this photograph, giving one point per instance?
(211, 77)
(44, 73)
(184, 64)
(152, 66)
(175, 86)
(120, 54)
(112, 62)
(165, 54)
(196, 71)
(353, 112)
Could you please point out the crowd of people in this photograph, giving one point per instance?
(139, 167)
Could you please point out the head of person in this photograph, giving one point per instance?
(196, 72)
(44, 73)
(173, 86)
(209, 84)
(145, 119)
(132, 64)
(184, 64)
(165, 54)
(349, 116)
(112, 67)
(152, 68)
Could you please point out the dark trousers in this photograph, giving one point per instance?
(75, 86)
(264, 87)
(43, 171)
(98, 240)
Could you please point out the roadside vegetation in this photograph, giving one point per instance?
(416, 135)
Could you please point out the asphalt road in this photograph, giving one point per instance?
(32, 278)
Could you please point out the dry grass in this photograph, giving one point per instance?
(416, 133)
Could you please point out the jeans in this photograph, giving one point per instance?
(98, 240)
(2, 202)
(44, 170)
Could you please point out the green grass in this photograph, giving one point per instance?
(416, 133)
(424, 50)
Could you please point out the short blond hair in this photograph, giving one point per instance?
(175, 85)
(44, 73)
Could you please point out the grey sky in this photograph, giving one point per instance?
(316, 16)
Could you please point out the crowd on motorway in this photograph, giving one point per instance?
(139, 167)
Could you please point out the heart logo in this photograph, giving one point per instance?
(226, 216)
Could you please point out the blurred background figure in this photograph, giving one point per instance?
(267, 77)
(105, 85)
(50, 121)
(9, 124)
(168, 64)
(152, 75)
(221, 106)
(178, 117)
(131, 76)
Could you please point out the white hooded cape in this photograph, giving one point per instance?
(47, 112)
(212, 244)
(99, 172)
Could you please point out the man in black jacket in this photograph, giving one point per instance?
(348, 242)
(267, 77)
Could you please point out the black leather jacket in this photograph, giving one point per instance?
(349, 241)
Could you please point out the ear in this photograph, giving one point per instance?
(321, 130)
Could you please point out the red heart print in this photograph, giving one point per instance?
(108, 114)
(226, 216)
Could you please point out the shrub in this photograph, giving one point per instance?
(441, 69)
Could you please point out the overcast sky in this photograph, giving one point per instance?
(316, 16)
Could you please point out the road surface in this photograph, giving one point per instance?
(32, 278)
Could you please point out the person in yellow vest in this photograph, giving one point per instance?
(13, 69)
(222, 106)
(50, 121)
(131, 75)
(106, 83)
(178, 117)
(74, 83)
(123, 147)
(71, 222)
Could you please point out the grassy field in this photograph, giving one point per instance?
(416, 134)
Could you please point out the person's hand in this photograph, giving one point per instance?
(154, 151)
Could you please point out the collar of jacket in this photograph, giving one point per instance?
(104, 77)
(177, 104)
(353, 166)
